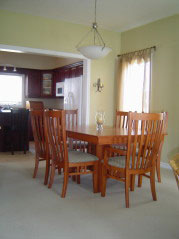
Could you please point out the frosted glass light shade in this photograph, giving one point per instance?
(94, 52)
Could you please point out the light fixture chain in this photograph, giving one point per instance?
(85, 36)
(95, 11)
(100, 37)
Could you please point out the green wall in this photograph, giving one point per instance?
(164, 34)
(43, 33)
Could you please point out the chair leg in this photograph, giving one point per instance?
(127, 185)
(158, 169)
(95, 179)
(47, 171)
(103, 181)
(65, 183)
(36, 168)
(152, 184)
(140, 181)
(132, 183)
(78, 179)
(52, 174)
(59, 171)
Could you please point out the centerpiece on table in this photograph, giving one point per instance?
(100, 118)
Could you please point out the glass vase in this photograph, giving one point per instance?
(100, 118)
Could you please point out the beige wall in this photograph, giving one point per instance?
(163, 34)
(34, 61)
(38, 32)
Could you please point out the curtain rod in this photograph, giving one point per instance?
(153, 47)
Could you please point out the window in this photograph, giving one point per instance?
(11, 88)
(136, 95)
(135, 81)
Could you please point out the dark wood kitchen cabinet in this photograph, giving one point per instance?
(33, 84)
(47, 84)
(42, 83)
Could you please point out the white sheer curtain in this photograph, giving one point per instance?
(73, 96)
(134, 81)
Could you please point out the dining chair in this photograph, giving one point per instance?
(160, 149)
(174, 163)
(121, 120)
(71, 117)
(158, 159)
(72, 162)
(41, 144)
(36, 105)
(145, 132)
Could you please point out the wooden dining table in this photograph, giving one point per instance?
(107, 136)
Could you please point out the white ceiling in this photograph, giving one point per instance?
(117, 15)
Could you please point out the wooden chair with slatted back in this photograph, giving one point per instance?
(36, 105)
(72, 162)
(121, 120)
(41, 145)
(145, 133)
(71, 117)
(160, 150)
(158, 159)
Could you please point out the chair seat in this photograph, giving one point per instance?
(80, 157)
(174, 162)
(118, 161)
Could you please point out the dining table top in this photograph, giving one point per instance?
(108, 135)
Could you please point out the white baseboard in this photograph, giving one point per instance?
(165, 165)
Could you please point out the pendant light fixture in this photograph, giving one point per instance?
(98, 49)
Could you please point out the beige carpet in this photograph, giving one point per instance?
(29, 210)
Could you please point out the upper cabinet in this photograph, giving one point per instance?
(47, 84)
(42, 83)
(33, 84)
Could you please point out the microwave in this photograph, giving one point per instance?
(60, 89)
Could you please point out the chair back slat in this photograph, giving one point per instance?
(144, 138)
(71, 117)
(56, 133)
(121, 119)
(37, 121)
